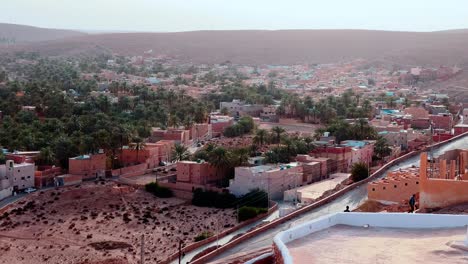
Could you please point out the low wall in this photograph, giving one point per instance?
(221, 235)
(131, 171)
(437, 193)
(384, 220)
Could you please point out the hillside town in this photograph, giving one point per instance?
(197, 152)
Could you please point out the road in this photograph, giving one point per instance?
(353, 198)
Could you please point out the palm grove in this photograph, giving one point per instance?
(70, 120)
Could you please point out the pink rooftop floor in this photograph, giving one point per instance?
(346, 244)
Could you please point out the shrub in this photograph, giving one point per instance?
(359, 171)
(158, 191)
(213, 199)
(254, 198)
(203, 236)
(247, 212)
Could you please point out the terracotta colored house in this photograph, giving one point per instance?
(44, 176)
(88, 166)
(165, 148)
(180, 136)
(397, 186)
(442, 121)
(200, 132)
(340, 155)
(447, 187)
(199, 173)
(219, 123)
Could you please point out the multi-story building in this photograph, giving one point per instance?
(15, 177)
(198, 173)
(361, 151)
(274, 179)
(239, 108)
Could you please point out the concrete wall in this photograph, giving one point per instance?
(385, 220)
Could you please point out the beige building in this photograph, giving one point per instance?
(15, 177)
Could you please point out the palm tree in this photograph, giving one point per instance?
(138, 144)
(173, 121)
(308, 141)
(278, 131)
(46, 156)
(180, 152)
(220, 158)
(260, 137)
(240, 156)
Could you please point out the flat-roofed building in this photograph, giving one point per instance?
(274, 179)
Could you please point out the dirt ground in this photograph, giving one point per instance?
(102, 224)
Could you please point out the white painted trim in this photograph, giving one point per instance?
(385, 220)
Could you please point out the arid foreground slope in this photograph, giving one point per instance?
(101, 223)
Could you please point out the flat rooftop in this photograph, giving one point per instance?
(313, 191)
(348, 244)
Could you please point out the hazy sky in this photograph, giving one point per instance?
(186, 15)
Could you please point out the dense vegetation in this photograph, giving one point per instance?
(247, 212)
(76, 116)
(254, 198)
(158, 191)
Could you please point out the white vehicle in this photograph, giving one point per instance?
(29, 190)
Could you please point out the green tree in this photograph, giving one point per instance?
(278, 131)
(359, 171)
(240, 156)
(260, 137)
(381, 148)
(46, 156)
(220, 158)
(2, 157)
(138, 145)
(180, 152)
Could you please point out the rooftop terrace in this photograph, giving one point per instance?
(348, 244)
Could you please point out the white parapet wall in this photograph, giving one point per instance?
(384, 220)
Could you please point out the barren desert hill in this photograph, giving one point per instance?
(20, 33)
(274, 47)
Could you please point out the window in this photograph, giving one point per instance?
(373, 189)
(394, 186)
(22, 178)
(29, 177)
(383, 188)
(19, 170)
(406, 184)
(417, 182)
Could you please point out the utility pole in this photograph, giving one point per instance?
(217, 232)
(142, 250)
(180, 251)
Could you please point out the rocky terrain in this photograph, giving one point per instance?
(102, 223)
